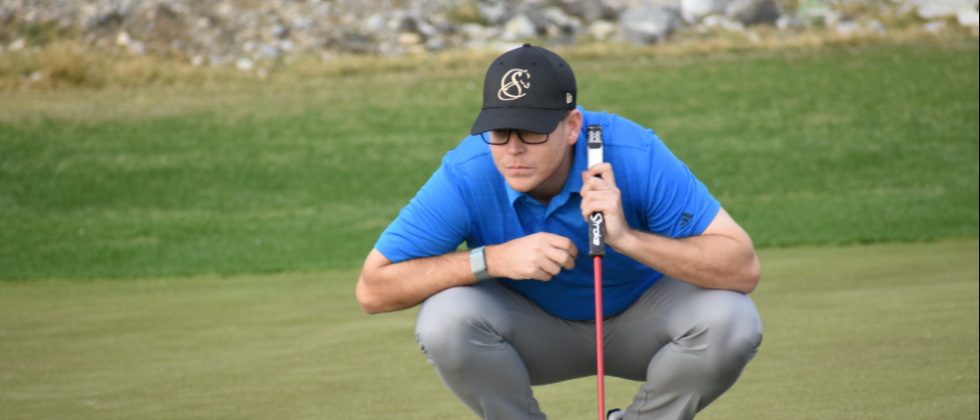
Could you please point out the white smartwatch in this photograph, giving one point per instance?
(478, 264)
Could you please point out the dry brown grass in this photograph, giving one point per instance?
(66, 65)
(72, 65)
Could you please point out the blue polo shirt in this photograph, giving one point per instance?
(467, 199)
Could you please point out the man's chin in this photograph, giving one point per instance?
(521, 185)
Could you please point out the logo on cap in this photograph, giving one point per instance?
(512, 86)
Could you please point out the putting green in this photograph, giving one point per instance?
(868, 332)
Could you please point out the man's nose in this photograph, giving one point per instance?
(514, 144)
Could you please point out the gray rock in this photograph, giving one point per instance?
(268, 51)
(428, 30)
(496, 12)
(476, 32)
(300, 23)
(589, 10)
(563, 40)
(694, 10)
(436, 44)
(648, 24)
(737, 7)
(279, 31)
(764, 12)
(558, 23)
(969, 18)
(848, 28)
(556, 16)
(404, 24)
(354, 43)
(936, 9)
(533, 9)
(225, 29)
(722, 22)
(520, 27)
(601, 30)
(244, 64)
(374, 25)
(876, 26)
(935, 26)
(835, 17)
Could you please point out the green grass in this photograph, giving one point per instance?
(835, 146)
(866, 332)
(181, 190)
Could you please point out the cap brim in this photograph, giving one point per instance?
(535, 120)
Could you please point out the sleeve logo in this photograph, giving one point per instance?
(686, 219)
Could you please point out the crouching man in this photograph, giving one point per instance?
(517, 308)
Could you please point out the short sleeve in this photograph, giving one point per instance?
(433, 223)
(681, 205)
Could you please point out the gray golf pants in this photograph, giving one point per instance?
(490, 344)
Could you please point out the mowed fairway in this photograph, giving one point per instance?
(870, 332)
(830, 146)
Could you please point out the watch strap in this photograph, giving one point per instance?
(478, 264)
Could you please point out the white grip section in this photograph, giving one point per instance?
(595, 157)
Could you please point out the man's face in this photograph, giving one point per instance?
(537, 169)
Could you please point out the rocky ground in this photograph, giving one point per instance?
(247, 33)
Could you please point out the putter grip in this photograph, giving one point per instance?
(597, 224)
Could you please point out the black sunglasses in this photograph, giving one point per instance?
(526, 138)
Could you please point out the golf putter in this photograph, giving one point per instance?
(597, 250)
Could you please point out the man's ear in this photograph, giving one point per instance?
(574, 126)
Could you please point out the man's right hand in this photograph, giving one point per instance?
(385, 286)
(540, 256)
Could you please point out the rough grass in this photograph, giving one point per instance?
(867, 332)
(66, 64)
(848, 145)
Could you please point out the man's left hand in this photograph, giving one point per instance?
(600, 194)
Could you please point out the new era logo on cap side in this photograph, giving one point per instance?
(511, 85)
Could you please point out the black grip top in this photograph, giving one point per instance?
(594, 136)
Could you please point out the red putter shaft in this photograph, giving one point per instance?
(597, 250)
(598, 336)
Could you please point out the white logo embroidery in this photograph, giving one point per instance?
(597, 229)
(507, 87)
(568, 98)
(595, 136)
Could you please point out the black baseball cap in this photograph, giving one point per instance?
(527, 88)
